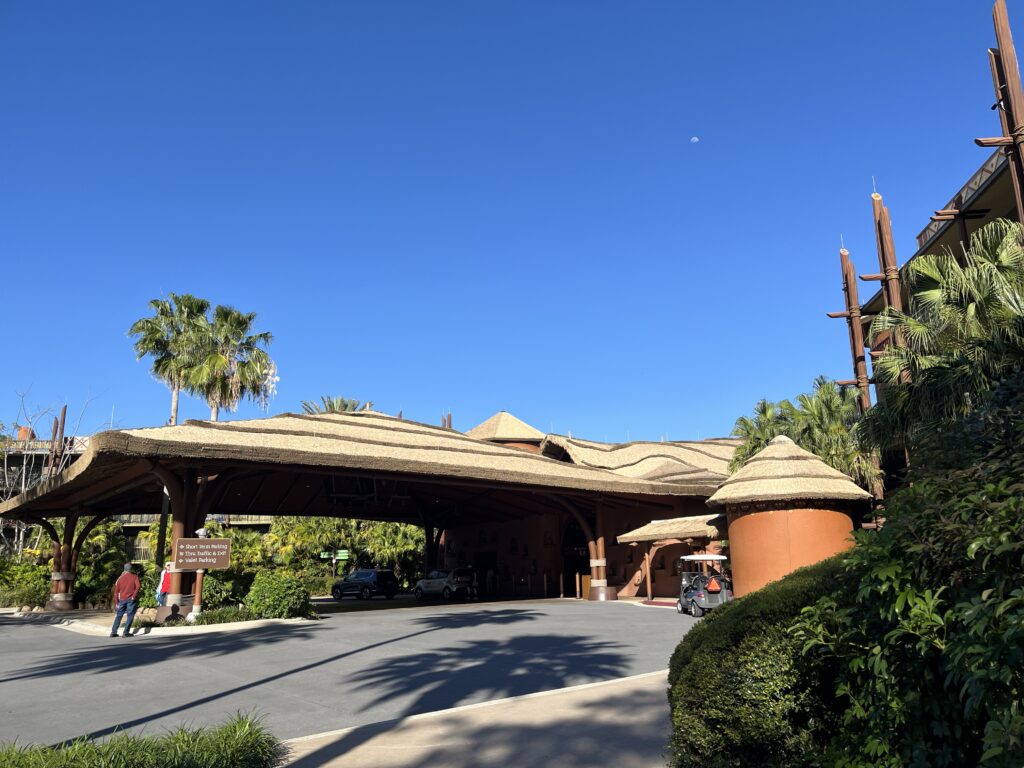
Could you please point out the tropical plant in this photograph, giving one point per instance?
(169, 338)
(929, 641)
(231, 361)
(331, 404)
(276, 595)
(963, 330)
(824, 422)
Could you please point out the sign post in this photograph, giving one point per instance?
(198, 555)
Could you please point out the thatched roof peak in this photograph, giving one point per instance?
(504, 427)
(783, 471)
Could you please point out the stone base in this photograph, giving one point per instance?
(170, 613)
(59, 605)
(603, 594)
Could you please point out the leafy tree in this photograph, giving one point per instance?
(824, 422)
(232, 362)
(331, 404)
(169, 338)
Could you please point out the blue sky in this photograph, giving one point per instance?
(472, 206)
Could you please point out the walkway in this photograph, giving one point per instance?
(623, 723)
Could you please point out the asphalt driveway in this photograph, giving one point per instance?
(348, 670)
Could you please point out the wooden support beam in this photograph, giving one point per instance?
(1009, 95)
(998, 141)
(856, 329)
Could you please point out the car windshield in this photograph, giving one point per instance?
(359, 575)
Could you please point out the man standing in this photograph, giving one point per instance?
(126, 589)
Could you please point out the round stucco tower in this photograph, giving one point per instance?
(785, 509)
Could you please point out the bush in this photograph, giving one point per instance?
(278, 596)
(741, 692)
(242, 742)
(225, 588)
(24, 584)
(929, 645)
(223, 616)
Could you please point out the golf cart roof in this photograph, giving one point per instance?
(697, 558)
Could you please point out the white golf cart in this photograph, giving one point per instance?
(702, 585)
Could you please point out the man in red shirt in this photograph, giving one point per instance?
(126, 590)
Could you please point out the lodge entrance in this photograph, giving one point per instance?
(575, 557)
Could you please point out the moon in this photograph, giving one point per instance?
(694, 139)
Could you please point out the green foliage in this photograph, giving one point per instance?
(824, 422)
(226, 587)
(276, 595)
(224, 615)
(930, 644)
(963, 332)
(100, 562)
(741, 692)
(148, 580)
(331, 404)
(242, 742)
(24, 584)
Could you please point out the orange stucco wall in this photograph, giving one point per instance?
(766, 545)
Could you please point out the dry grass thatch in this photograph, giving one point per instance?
(503, 426)
(783, 471)
(698, 527)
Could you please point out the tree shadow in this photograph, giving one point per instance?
(117, 655)
(498, 669)
(476, 671)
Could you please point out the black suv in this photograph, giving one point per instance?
(365, 583)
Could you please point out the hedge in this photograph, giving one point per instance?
(242, 742)
(741, 691)
(275, 595)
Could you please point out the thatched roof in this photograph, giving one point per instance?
(698, 527)
(784, 471)
(702, 464)
(504, 427)
(357, 442)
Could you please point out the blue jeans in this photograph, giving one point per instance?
(161, 598)
(124, 606)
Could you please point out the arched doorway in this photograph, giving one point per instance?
(575, 556)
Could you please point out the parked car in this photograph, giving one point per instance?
(702, 585)
(365, 583)
(447, 584)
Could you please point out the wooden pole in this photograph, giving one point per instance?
(1007, 119)
(856, 329)
(892, 291)
(647, 565)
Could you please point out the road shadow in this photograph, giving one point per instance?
(108, 654)
(476, 671)
(111, 655)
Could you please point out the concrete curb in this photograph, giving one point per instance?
(85, 627)
(479, 705)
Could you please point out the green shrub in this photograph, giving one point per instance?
(929, 645)
(741, 692)
(277, 595)
(225, 615)
(227, 587)
(242, 742)
(24, 584)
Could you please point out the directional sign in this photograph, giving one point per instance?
(193, 554)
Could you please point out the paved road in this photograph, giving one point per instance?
(347, 670)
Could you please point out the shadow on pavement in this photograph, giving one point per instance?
(486, 669)
(114, 655)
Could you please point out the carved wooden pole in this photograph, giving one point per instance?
(856, 329)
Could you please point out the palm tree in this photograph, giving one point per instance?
(232, 362)
(167, 338)
(962, 332)
(824, 422)
(331, 404)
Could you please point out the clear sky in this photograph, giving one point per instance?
(472, 206)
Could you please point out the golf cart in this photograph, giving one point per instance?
(703, 586)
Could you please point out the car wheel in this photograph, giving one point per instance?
(696, 611)
(336, 593)
(679, 607)
(447, 594)
(417, 593)
(366, 594)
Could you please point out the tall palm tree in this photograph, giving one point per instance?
(331, 404)
(963, 330)
(232, 362)
(167, 337)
